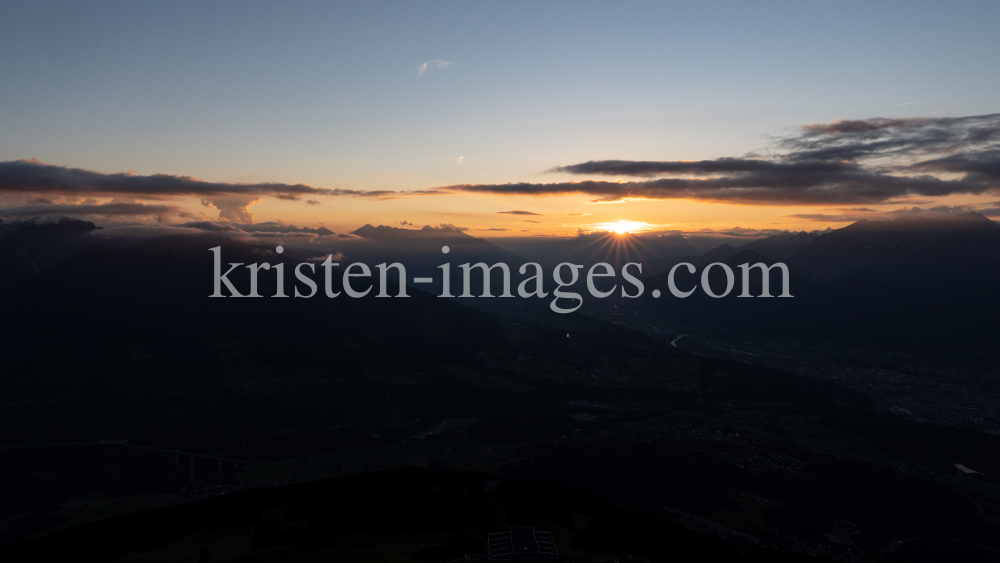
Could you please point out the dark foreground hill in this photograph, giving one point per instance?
(126, 389)
(415, 514)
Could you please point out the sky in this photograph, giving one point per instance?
(412, 114)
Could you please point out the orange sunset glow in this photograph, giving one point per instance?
(443, 281)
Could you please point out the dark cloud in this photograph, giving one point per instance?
(232, 199)
(33, 176)
(106, 209)
(650, 169)
(992, 209)
(257, 229)
(269, 227)
(983, 164)
(880, 138)
(312, 202)
(517, 212)
(861, 161)
(784, 189)
(210, 226)
(829, 218)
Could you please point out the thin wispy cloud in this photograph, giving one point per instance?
(942, 109)
(269, 229)
(518, 212)
(105, 209)
(433, 64)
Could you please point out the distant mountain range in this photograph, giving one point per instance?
(26, 248)
(925, 285)
(655, 252)
(776, 248)
(918, 284)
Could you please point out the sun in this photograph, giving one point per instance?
(622, 226)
